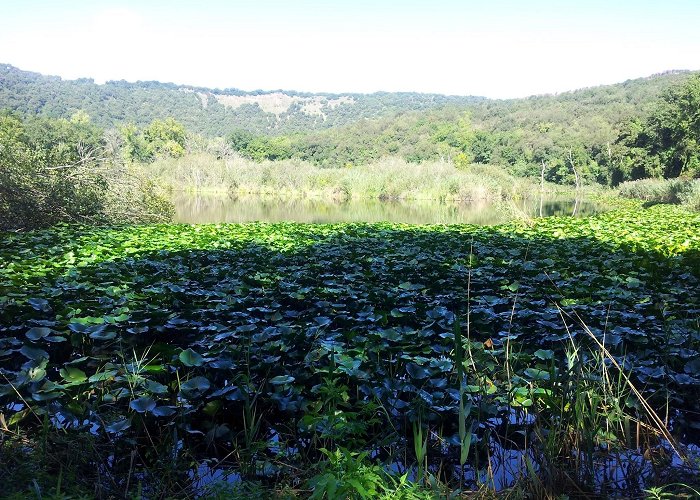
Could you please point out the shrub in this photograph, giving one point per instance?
(58, 171)
(675, 191)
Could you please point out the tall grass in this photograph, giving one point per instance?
(677, 191)
(388, 178)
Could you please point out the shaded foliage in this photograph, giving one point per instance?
(201, 110)
(271, 341)
(63, 171)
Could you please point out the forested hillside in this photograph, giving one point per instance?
(606, 135)
(210, 112)
(589, 112)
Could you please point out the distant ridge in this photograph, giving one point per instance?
(216, 112)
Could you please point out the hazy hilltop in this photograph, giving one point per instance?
(215, 112)
(207, 111)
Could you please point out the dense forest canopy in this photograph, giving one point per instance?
(607, 135)
(214, 112)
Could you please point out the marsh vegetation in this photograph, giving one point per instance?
(567, 347)
(524, 357)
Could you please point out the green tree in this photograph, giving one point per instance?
(161, 138)
(675, 130)
(136, 147)
(49, 172)
(239, 139)
(57, 171)
(166, 137)
(667, 143)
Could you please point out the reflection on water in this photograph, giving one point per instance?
(207, 209)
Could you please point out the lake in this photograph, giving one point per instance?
(212, 209)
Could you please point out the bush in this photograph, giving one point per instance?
(689, 195)
(675, 191)
(57, 171)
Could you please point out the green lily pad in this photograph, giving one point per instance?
(143, 404)
(38, 332)
(282, 379)
(73, 375)
(188, 357)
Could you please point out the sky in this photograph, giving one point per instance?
(492, 48)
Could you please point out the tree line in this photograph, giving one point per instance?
(661, 143)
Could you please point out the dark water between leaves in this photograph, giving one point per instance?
(212, 209)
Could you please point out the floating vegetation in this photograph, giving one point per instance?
(561, 353)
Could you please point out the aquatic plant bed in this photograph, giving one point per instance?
(243, 350)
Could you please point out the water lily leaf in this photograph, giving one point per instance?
(175, 322)
(194, 387)
(39, 304)
(407, 285)
(188, 357)
(222, 364)
(544, 354)
(100, 333)
(73, 375)
(163, 411)
(118, 426)
(633, 282)
(137, 329)
(442, 364)
(692, 367)
(536, 374)
(102, 376)
(77, 327)
(46, 396)
(55, 339)
(684, 379)
(416, 371)
(36, 374)
(38, 332)
(155, 387)
(282, 379)
(390, 334)
(322, 321)
(260, 337)
(142, 404)
(34, 353)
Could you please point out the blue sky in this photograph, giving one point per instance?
(492, 48)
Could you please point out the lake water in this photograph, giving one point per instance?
(208, 209)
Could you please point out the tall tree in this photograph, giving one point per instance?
(670, 136)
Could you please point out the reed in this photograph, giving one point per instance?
(389, 178)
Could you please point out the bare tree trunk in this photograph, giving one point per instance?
(544, 166)
(577, 180)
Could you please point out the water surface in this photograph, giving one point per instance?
(211, 208)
